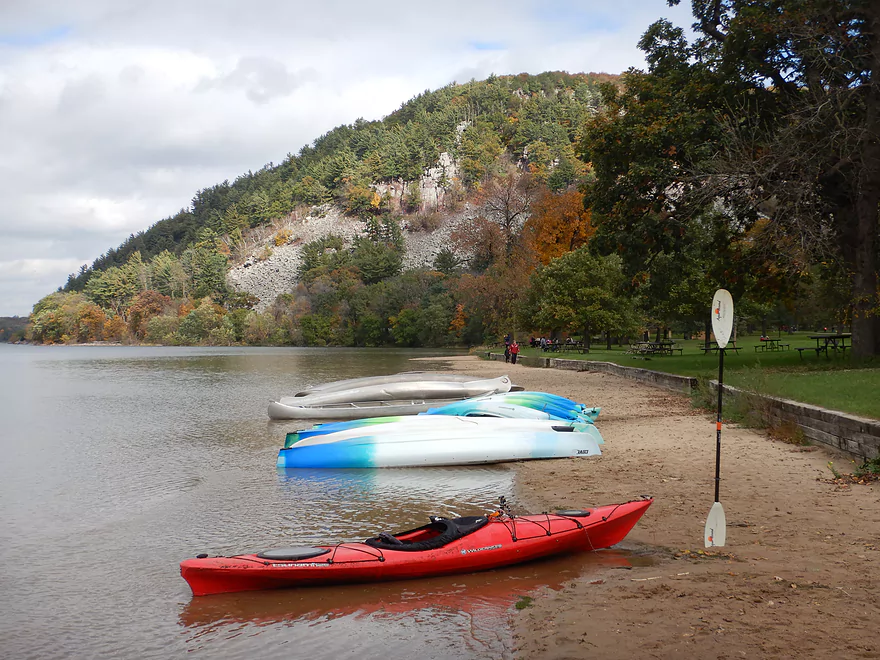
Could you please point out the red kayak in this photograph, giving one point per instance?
(442, 547)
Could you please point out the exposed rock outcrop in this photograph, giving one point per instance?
(268, 278)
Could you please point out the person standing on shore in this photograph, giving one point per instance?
(514, 351)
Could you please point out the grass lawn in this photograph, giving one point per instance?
(834, 382)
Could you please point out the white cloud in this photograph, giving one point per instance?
(114, 113)
(21, 278)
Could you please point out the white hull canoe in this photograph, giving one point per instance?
(441, 440)
(406, 397)
(360, 410)
(369, 381)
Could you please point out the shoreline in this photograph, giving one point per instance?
(797, 579)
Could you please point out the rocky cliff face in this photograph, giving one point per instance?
(270, 277)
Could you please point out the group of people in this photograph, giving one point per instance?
(511, 349)
(548, 344)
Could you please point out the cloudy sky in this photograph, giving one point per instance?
(113, 113)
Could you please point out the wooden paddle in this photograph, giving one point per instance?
(715, 534)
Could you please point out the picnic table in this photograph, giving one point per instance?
(565, 346)
(826, 341)
(771, 344)
(663, 347)
(553, 347)
(713, 347)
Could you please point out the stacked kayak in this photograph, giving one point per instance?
(517, 404)
(380, 381)
(492, 406)
(401, 394)
(437, 440)
(443, 547)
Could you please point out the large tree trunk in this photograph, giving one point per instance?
(865, 340)
(866, 306)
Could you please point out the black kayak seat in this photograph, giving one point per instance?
(292, 554)
(449, 530)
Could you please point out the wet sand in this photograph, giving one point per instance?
(799, 576)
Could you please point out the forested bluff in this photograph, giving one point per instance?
(551, 203)
(416, 230)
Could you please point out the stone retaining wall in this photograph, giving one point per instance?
(856, 436)
(657, 378)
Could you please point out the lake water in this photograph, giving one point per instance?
(118, 462)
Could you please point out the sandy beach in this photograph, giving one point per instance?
(798, 577)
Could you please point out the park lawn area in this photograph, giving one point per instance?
(834, 382)
(855, 391)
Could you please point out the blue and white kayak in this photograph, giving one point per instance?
(538, 405)
(440, 440)
(555, 406)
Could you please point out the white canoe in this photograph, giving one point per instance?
(359, 410)
(441, 440)
(369, 381)
(400, 397)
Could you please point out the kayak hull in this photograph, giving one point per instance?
(425, 388)
(502, 541)
(402, 397)
(518, 404)
(280, 410)
(556, 406)
(439, 440)
(372, 381)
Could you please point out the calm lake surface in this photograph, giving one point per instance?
(120, 462)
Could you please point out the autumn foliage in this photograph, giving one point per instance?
(146, 305)
(558, 225)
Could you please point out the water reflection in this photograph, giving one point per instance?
(446, 617)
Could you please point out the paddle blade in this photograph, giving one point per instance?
(722, 316)
(716, 527)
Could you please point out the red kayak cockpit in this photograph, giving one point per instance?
(436, 534)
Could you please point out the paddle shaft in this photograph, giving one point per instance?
(718, 423)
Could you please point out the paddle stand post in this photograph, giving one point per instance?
(715, 534)
(718, 423)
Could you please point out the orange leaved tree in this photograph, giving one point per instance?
(559, 223)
